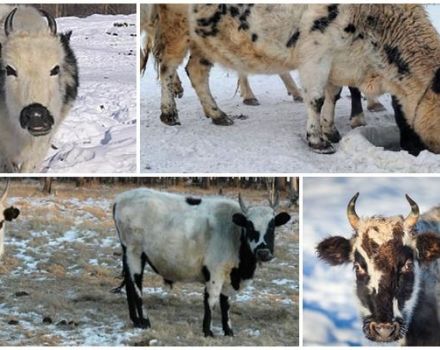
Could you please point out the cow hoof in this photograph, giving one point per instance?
(298, 99)
(376, 107)
(357, 121)
(323, 147)
(143, 323)
(229, 333)
(251, 102)
(209, 334)
(170, 119)
(223, 120)
(178, 93)
(333, 136)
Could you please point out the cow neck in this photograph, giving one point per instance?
(424, 327)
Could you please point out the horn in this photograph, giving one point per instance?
(242, 205)
(353, 218)
(50, 21)
(276, 202)
(8, 22)
(413, 216)
(5, 192)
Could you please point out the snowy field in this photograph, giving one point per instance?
(271, 138)
(62, 258)
(99, 134)
(330, 307)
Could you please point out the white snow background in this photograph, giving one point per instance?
(330, 314)
(272, 138)
(99, 133)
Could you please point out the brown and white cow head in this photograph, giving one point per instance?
(387, 255)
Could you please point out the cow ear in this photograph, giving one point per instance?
(239, 219)
(65, 37)
(334, 250)
(281, 219)
(11, 213)
(428, 245)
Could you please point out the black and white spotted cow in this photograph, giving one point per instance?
(397, 274)
(211, 240)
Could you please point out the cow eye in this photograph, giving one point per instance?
(408, 267)
(55, 70)
(358, 269)
(10, 71)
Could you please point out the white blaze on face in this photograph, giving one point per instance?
(33, 57)
(260, 218)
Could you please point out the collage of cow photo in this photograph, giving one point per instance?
(187, 174)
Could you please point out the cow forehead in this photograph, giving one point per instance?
(33, 51)
(260, 217)
(380, 230)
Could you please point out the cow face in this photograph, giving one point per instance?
(259, 226)
(386, 255)
(32, 64)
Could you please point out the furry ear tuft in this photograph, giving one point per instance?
(428, 245)
(334, 250)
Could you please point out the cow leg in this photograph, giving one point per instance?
(373, 105)
(133, 263)
(246, 91)
(291, 87)
(177, 86)
(329, 131)
(207, 317)
(198, 71)
(314, 75)
(168, 107)
(357, 117)
(224, 307)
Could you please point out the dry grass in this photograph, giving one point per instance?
(62, 258)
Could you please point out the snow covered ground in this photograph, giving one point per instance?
(330, 309)
(271, 138)
(99, 134)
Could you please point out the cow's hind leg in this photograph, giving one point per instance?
(246, 91)
(224, 307)
(133, 264)
(357, 117)
(178, 88)
(168, 106)
(291, 87)
(329, 131)
(198, 71)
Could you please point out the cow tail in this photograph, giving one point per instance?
(119, 288)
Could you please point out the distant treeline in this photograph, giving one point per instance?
(84, 10)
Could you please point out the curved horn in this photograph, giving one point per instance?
(353, 218)
(242, 205)
(276, 202)
(5, 193)
(8, 22)
(50, 21)
(413, 216)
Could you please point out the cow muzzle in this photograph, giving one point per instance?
(263, 255)
(383, 332)
(36, 119)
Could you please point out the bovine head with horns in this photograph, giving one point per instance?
(258, 223)
(387, 254)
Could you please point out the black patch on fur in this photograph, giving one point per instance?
(206, 274)
(145, 257)
(293, 39)
(436, 82)
(207, 317)
(350, 28)
(254, 37)
(409, 140)
(337, 96)
(234, 11)
(322, 23)
(246, 266)
(205, 62)
(11, 213)
(356, 102)
(224, 307)
(394, 57)
(169, 283)
(193, 201)
(317, 104)
(372, 21)
(70, 67)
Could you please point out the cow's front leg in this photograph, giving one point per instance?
(198, 71)
(357, 117)
(224, 307)
(329, 131)
(314, 75)
(168, 107)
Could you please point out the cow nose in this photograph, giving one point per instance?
(384, 330)
(264, 255)
(37, 119)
